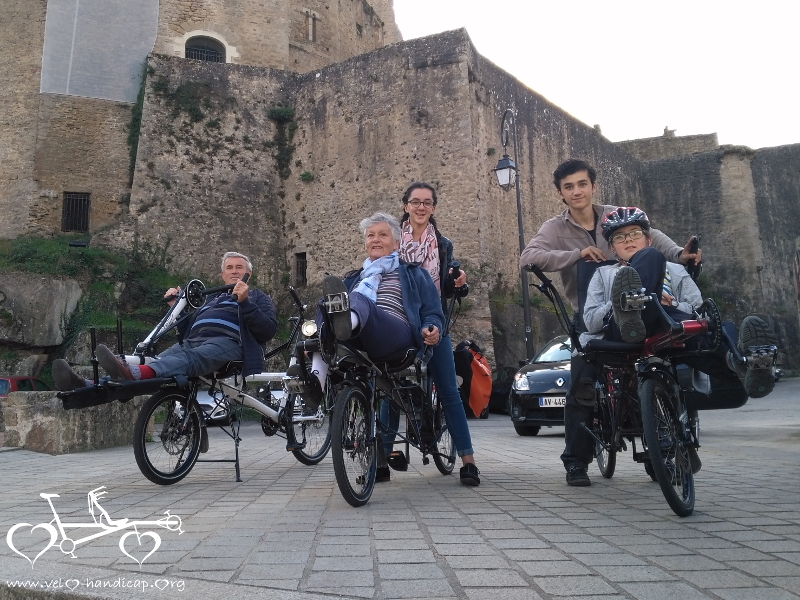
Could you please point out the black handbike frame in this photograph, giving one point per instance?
(638, 396)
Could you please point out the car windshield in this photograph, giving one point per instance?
(4, 387)
(555, 351)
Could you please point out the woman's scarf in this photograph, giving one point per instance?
(372, 273)
(426, 252)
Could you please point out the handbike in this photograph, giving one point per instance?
(360, 385)
(171, 430)
(639, 397)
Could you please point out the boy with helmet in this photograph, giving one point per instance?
(561, 242)
(640, 266)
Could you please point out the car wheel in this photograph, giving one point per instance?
(526, 430)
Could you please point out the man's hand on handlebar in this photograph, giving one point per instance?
(240, 290)
(430, 335)
(171, 295)
(691, 252)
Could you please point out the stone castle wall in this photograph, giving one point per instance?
(205, 181)
(668, 146)
(22, 35)
(740, 202)
(277, 31)
(80, 147)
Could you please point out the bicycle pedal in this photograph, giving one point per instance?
(761, 357)
(634, 300)
(295, 446)
(336, 303)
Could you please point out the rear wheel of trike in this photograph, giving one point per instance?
(445, 444)
(353, 446)
(166, 437)
(665, 437)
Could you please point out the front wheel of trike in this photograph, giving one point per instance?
(166, 437)
(665, 436)
(353, 445)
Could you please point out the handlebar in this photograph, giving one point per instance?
(692, 267)
(223, 288)
(295, 298)
(204, 291)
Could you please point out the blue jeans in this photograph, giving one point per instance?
(197, 360)
(443, 371)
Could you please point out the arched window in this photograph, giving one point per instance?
(205, 48)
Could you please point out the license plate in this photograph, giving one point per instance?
(548, 402)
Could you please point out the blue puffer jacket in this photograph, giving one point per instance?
(257, 326)
(421, 301)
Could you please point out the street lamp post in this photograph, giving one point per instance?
(508, 175)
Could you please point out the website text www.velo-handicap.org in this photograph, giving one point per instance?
(144, 585)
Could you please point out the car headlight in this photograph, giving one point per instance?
(521, 382)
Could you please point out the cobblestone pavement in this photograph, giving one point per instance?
(286, 532)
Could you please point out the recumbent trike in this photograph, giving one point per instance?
(640, 396)
(171, 430)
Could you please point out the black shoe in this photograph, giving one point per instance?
(397, 460)
(382, 474)
(336, 303)
(577, 476)
(65, 378)
(469, 475)
(117, 369)
(631, 327)
(203, 440)
(757, 343)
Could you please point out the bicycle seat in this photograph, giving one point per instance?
(230, 369)
(597, 345)
(399, 363)
(611, 353)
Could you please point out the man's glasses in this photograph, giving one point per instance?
(416, 203)
(618, 238)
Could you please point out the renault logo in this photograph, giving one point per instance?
(560, 381)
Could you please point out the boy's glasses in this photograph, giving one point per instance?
(618, 238)
(416, 203)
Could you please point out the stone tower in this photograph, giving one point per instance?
(66, 156)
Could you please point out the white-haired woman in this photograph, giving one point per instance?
(394, 305)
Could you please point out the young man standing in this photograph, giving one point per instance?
(560, 243)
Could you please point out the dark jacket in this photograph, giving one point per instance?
(421, 301)
(257, 326)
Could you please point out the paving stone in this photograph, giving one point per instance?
(490, 578)
(574, 585)
(556, 567)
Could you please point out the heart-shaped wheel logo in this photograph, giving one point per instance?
(45, 526)
(139, 548)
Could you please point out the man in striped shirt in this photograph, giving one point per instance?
(231, 326)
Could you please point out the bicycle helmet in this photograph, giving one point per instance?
(622, 217)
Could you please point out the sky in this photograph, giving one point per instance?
(635, 67)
